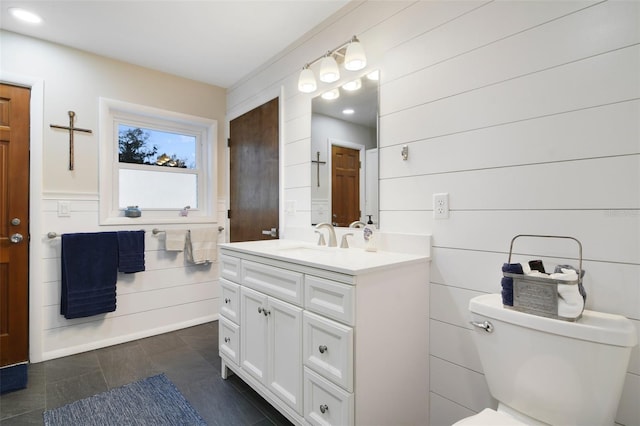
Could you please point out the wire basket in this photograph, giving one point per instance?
(539, 295)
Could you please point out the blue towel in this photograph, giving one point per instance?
(130, 251)
(507, 282)
(89, 274)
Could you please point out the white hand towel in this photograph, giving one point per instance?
(201, 245)
(570, 301)
(174, 239)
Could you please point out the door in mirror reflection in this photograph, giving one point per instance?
(345, 185)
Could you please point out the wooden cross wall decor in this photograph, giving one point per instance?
(317, 163)
(71, 129)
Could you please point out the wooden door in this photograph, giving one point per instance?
(345, 185)
(254, 172)
(14, 224)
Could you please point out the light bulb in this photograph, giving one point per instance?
(329, 71)
(354, 58)
(353, 85)
(307, 81)
(331, 94)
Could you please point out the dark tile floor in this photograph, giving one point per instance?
(188, 357)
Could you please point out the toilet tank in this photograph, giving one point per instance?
(557, 372)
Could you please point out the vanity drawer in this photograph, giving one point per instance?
(328, 349)
(230, 300)
(325, 403)
(230, 268)
(329, 298)
(229, 339)
(280, 283)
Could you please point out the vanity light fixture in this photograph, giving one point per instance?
(307, 81)
(374, 75)
(25, 15)
(355, 59)
(329, 71)
(331, 94)
(350, 53)
(352, 85)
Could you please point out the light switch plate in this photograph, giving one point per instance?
(64, 208)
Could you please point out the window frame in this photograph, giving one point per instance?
(113, 113)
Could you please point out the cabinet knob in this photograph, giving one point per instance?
(266, 312)
(324, 408)
(322, 349)
(226, 300)
(227, 339)
(260, 309)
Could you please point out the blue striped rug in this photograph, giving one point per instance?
(152, 401)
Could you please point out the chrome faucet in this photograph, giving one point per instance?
(332, 233)
(357, 224)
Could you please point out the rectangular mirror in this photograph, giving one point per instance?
(344, 153)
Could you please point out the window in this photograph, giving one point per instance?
(158, 160)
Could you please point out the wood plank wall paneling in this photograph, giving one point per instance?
(527, 114)
(170, 293)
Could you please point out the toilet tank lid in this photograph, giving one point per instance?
(593, 326)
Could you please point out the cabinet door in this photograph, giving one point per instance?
(253, 336)
(285, 352)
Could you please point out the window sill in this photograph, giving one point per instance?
(142, 220)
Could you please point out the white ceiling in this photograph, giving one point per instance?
(214, 41)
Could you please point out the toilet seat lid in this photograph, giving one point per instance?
(489, 417)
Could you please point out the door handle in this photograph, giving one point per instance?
(16, 238)
(273, 232)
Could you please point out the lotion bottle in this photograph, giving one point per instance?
(369, 234)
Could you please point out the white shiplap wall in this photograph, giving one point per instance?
(170, 294)
(527, 114)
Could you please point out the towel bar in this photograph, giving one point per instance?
(156, 231)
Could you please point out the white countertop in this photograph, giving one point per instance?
(352, 261)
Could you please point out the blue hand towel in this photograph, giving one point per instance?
(507, 282)
(89, 274)
(130, 251)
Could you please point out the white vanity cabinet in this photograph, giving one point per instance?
(328, 345)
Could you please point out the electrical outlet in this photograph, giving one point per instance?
(441, 206)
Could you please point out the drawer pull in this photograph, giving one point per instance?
(322, 349)
(227, 300)
(227, 339)
(324, 408)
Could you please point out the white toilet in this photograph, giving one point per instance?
(548, 371)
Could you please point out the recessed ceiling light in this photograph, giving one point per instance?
(348, 111)
(25, 15)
